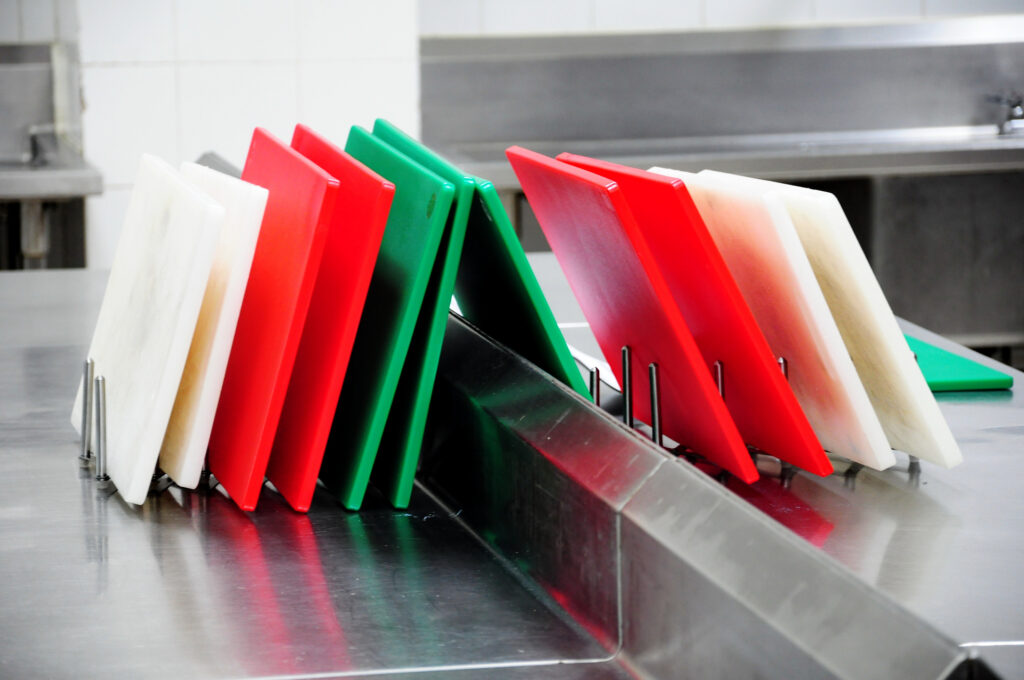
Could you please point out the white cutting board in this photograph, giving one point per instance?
(148, 316)
(757, 239)
(898, 391)
(188, 431)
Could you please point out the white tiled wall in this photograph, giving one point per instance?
(37, 20)
(10, 21)
(647, 15)
(495, 17)
(536, 16)
(181, 77)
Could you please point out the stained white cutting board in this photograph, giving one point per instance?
(148, 316)
(188, 431)
(898, 391)
(757, 239)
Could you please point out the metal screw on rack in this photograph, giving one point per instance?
(627, 385)
(652, 372)
(207, 482)
(595, 385)
(720, 378)
(787, 472)
(87, 371)
(100, 407)
(914, 470)
(159, 482)
(850, 476)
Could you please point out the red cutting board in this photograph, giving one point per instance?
(625, 298)
(761, 402)
(353, 239)
(284, 269)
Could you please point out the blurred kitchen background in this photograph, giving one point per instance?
(908, 110)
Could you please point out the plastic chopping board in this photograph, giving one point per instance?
(613, 274)
(495, 287)
(148, 317)
(188, 432)
(284, 269)
(415, 226)
(761, 403)
(902, 401)
(353, 239)
(399, 452)
(759, 244)
(948, 372)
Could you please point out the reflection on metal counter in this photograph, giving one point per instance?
(186, 585)
(659, 561)
(589, 553)
(942, 543)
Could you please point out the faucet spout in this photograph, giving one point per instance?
(1014, 121)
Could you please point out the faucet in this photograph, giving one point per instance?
(40, 149)
(1014, 121)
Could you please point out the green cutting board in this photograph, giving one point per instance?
(948, 372)
(399, 453)
(496, 289)
(416, 224)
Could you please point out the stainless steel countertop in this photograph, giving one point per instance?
(947, 544)
(815, 155)
(189, 586)
(67, 175)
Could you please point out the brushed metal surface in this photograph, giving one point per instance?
(813, 79)
(978, 30)
(944, 544)
(714, 582)
(758, 157)
(789, 103)
(702, 581)
(947, 251)
(708, 586)
(65, 176)
(537, 472)
(188, 586)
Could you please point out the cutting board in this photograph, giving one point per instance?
(756, 392)
(613, 273)
(353, 240)
(948, 372)
(898, 392)
(284, 269)
(399, 452)
(412, 237)
(759, 243)
(148, 316)
(495, 287)
(188, 432)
